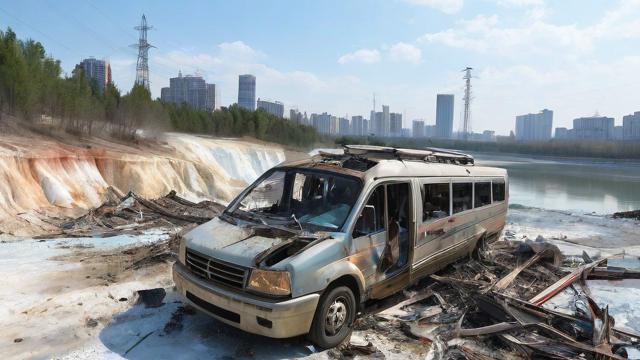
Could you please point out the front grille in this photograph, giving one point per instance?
(216, 270)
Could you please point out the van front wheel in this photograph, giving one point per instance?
(334, 318)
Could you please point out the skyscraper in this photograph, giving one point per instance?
(386, 121)
(418, 128)
(534, 127)
(444, 115)
(631, 126)
(191, 90)
(344, 128)
(297, 117)
(395, 124)
(97, 72)
(247, 91)
(593, 128)
(357, 126)
(272, 107)
(321, 122)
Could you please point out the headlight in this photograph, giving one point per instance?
(270, 282)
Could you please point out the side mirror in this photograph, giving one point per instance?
(366, 223)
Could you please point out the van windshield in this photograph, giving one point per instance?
(309, 199)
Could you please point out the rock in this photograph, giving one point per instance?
(91, 323)
(152, 297)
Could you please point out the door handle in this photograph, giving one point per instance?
(452, 220)
(436, 232)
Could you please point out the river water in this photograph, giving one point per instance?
(584, 185)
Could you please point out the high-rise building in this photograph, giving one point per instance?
(297, 117)
(272, 107)
(343, 126)
(444, 115)
(247, 91)
(593, 128)
(210, 98)
(365, 127)
(631, 126)
(377, 125)
(534, 127)
(395, 124)
(190, 90)
(333, 125)
(418, 128)
(618, 133)
(357, 126)
(430, 131)
(97, 72)
(321, 122)
(562, 133)
(386, 121)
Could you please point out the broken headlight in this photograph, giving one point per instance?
(276, 283)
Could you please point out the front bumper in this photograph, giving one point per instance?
(273, 319)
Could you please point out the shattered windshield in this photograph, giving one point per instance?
(304, 199)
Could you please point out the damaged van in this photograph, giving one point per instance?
(302, 248)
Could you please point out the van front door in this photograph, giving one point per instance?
(382, 238)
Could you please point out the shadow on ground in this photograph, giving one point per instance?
(139, 333)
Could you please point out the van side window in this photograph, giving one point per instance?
(462, 197)
(371, 219)
(482, 194)
(498, 190)
(435, 201)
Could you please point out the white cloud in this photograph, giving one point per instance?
(366, 56)
(446, 6)
(521, 2)
(403, 52)
(486, 33)
(238, 49)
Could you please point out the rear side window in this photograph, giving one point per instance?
(498, 190)
(482, 194)
(435, 201)
(462, 199)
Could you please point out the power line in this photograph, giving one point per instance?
(36, 30)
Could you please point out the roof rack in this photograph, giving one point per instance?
(428, 154)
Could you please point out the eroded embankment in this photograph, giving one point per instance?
(40, 178)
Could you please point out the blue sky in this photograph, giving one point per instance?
(574, 57)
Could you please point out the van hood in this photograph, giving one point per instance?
(236, 244)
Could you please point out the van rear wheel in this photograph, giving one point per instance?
(334, 318)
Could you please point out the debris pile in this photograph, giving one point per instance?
(492, 307)
(633, 214)
(132, 214)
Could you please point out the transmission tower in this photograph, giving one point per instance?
(142, 67)
(467, 103)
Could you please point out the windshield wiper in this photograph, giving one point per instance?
(293, 216)
(226, 216)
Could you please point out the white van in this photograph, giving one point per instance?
(299, 250)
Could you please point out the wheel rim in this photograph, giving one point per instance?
(336, 315)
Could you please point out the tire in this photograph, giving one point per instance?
(337, 300)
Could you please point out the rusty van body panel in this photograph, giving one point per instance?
(392, 217)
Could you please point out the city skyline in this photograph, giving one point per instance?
(336, 69)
